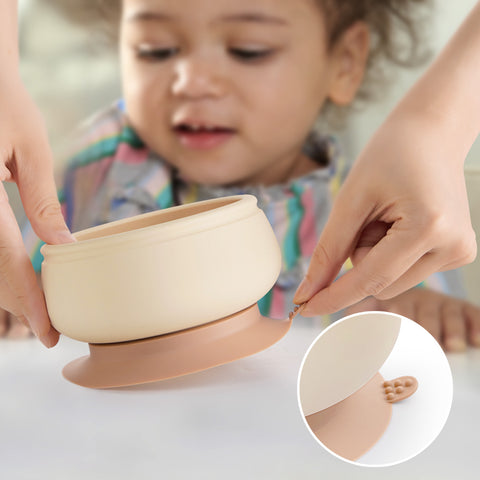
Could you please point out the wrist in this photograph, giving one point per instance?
(9, 58)
(435, 134)
(446, 97)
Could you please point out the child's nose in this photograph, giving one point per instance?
(197, 78)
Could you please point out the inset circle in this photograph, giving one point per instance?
(375, 389)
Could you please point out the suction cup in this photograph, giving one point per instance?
(176, 354)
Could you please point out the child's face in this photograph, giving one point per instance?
(225, 90)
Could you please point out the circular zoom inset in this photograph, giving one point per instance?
(375, 389)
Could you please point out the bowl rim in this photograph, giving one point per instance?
(231, 209)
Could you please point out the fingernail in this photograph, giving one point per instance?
(65, 236)
(44, 338)
(455, 344)
(303, 292)
(49, 340)
(35, 331)
(476, 339)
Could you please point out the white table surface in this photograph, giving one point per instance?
(237, 421)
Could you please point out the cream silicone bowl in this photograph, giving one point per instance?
(161, 272)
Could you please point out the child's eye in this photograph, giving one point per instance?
(156, 54)
(250, 55)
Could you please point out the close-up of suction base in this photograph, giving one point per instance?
(175, 354)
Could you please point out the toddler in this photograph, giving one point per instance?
(222, 98)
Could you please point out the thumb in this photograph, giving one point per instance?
(334, 246)
(38, 192)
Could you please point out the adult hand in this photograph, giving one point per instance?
(26, 159)
(401, 215)
(403, 212)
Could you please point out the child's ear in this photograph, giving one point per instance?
(349, 60)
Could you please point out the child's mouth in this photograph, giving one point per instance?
(202, 137)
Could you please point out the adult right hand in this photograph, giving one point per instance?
(401, 215)
(402, 212)
(26, 159)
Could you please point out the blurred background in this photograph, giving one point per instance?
(72, 71)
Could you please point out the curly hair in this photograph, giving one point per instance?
(396, 31)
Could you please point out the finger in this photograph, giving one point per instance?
(333, 248)
(427, 265)
(3, 322)
(34, 177)
(19, 284)
(368, 304)
(370, 236)
(8, 301)
(459, 253)
(376, 271)
(403, 305)
(454, 327)
(419, 271)
(467, 258)
(23, 320)
(472, 312)
(427, 314)
(430, 263)
(17, 329)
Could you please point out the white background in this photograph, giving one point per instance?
(416, 421)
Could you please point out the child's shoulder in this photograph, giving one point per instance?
(101, 137)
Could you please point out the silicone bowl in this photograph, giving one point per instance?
(161, 272)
